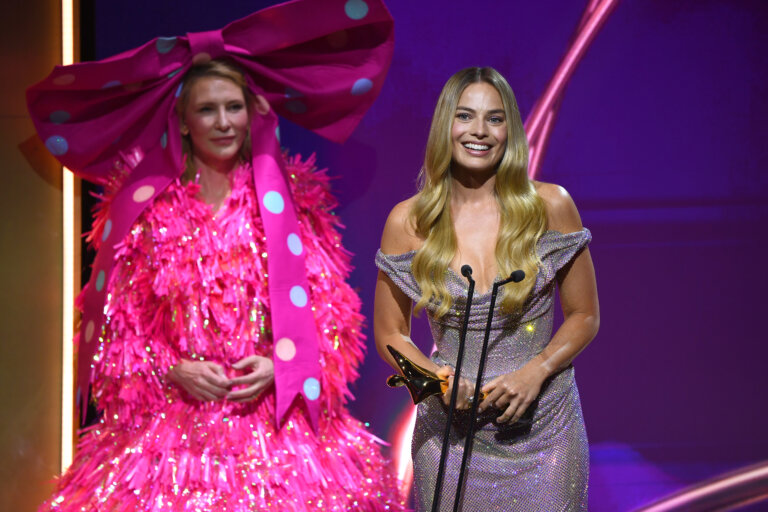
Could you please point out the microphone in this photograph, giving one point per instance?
(466, 271)
(517, 276)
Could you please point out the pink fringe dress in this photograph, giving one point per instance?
(191, 283)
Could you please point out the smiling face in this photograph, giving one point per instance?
(216, 119)
(479, 129)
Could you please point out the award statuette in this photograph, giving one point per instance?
(421, 383)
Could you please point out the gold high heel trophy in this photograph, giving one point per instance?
(421, 383)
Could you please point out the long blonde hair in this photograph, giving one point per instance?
(522, 215)
(217, 69)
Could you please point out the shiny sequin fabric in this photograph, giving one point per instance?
(544, 467)
(192, 283)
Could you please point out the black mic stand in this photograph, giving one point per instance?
(515, 277)
(466, 271)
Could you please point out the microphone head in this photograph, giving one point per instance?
(517, 276)
(466, 271)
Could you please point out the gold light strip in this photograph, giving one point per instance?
(68, 263)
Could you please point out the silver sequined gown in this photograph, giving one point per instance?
(544, 467)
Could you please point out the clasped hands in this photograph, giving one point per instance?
(208, 381)
(511, 393)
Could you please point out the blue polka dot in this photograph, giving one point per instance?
(298, 297)
(312, 388)
(277, 133)
(100, 278)
(57, 145)
(113, 83)
(356, 9)
(165, 44)
(178, 90)
(296, 106)
(361, 86)
(60, 116)
(107, 230)
(294, 244)
(164, 140)
(273, 202)
(174, 72)
(290, 92)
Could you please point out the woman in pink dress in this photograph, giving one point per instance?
(206, 406)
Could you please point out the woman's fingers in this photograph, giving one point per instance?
(447, 395)
(203, 380)
(247, 394)
(246, 361)
(493, 398)
(444, 372)
(215, 380)
(466, 390)
(509, 412)
(260, 376)
(257, 374)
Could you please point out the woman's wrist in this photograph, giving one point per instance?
(540, 367)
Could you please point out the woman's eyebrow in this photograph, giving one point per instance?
(494, 111)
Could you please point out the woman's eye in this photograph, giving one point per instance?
(463, 116)
(496, 120)
(236, 107)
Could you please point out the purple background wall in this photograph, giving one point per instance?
(661, 142)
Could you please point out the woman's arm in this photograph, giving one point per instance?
(392, 307)
(515, 391)
(577, 287)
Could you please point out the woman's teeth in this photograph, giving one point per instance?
(476, 147)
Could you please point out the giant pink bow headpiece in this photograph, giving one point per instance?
(320, 64)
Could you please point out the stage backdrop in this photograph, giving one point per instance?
(660, 141)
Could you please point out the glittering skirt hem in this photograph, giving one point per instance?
(190, 460)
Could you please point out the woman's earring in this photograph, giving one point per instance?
(184, 131)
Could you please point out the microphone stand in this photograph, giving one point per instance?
(516, 277)
(466, 271)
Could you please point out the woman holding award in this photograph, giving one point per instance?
(476, 206)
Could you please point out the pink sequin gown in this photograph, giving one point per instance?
(190, 283)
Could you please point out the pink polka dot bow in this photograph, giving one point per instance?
(320, 63)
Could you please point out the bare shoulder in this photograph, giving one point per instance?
(399, 235)
(562, 214)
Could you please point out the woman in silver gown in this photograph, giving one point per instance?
(477, 206)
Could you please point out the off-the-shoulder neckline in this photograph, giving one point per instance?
(463, 281)
(547, 232)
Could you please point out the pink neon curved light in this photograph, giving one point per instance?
(539, 124)
(725, 492)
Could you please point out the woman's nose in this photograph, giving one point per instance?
(222, 121)
(478, 127)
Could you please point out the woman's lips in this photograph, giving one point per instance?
(476, 149)
(223, 141)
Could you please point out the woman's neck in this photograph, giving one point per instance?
(214, 182)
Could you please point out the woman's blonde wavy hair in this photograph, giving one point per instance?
(523, 217)
(216, 69)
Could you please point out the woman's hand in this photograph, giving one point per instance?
(513, 392)
(260, 376)
(466, 389)
(204, 380)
